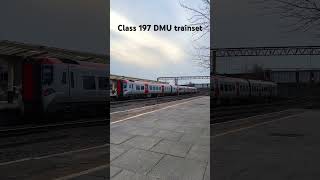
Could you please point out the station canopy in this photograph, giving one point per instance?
(15, 49)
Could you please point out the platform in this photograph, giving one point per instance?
(4, 106)
(283, 148)
(171, 143)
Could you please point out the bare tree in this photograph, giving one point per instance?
(200, 16)
(304, 14)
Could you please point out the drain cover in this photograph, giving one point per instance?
(286, 134)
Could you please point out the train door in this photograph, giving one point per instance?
(119, 88)
(31, 87)
(237, 89)
(76, 82)
(71, 82)
(217, 88)
(162, 89)
(146, 89)
(61, 82)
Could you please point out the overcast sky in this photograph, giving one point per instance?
(153, 54)
(243, 23)
(71, 24)
(81, 25)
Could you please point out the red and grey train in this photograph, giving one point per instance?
(129, 89)
(53, 85)
(228, 90)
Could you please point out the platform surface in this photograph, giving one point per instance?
(171, 143)
(284, 148)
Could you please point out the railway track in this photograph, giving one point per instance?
(31, 129)
(223, 114)
(24, 129)
(127, 104)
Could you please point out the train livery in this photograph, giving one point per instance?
(129, 89)
(53, 85)
(228, 90)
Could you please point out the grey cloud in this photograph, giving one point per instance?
(73, 24)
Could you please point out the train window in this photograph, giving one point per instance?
(142, 87)
(47, 74)
(137, 87)
(72, 80)
(89, 82)
(124, 85)
(64, 78)
(103, 83)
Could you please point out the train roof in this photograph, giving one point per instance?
(23, 50)
(241, 79)
(52, 60)
(118, 77)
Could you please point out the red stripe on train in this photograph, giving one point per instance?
(28, 83)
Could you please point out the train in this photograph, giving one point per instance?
(126, 88)
(51, 85)
(229, 90)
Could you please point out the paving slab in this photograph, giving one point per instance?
(143, 142)
(169, 135)
(118, 138)
(172, 148)
(160, 143)
(143, 131)
(114, 171)
(136, 160)
(117, 150)
(286, 148)
(190, 130)
(207, 173)
(129, 175)
(171, 167)
(196, 139)
(199, 152)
